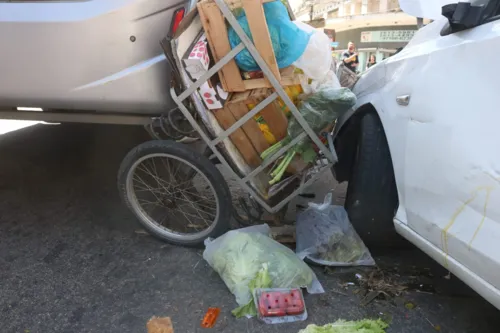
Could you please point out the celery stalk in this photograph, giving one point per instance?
(283, 166)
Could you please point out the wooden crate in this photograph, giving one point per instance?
(239, 138)
(249, 139)
(240, 104)
(216, 31)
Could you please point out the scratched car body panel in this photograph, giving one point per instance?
(444, 146)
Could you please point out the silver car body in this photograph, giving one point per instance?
(95, 55)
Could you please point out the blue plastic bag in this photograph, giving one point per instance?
(289, 42)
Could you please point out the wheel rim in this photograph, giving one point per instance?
(166, 190)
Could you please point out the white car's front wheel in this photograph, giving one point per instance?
(372, 197)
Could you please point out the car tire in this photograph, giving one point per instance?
(372, 197)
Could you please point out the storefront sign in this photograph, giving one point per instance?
(387, 36)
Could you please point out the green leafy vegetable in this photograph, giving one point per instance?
(319, 110)
(341, 326)
(341, 247)
(261, 280)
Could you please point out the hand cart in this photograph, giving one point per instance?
(165, 181)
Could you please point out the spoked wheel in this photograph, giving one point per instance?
(177, 194)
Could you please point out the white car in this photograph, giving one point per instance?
(419, 148)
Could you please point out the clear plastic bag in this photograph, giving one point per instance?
(289, 42)
(322, 108)
(245, 257)
(316, 60)
(330, 79)
(326, 237)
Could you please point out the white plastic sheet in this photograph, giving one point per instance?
(317, 58)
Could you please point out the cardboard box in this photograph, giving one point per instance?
(197, 61)
(214, 98)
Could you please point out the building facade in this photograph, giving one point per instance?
(377, 27)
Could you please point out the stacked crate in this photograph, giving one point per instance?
(256, 135)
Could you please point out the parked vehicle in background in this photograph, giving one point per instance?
(420, 148)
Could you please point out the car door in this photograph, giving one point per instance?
(452, 161)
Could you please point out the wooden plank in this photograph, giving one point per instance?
(226, 119)
(272, 114)
(260, 34)
(263, 83)
(216, 32)
(238, 107)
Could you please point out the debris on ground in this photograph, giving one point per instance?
(326, 237)
(377, 283)
(248, 258)
(436, 327)
(160, 325)
(410, 305)
(341, 326)
(210, 317)
(378, 280)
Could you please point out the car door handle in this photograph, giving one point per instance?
(403, 100)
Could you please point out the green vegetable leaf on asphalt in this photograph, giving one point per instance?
(341, 326)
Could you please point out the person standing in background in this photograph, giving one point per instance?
(350, 58)
(372, 61)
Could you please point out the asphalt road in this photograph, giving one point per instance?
(71, 259)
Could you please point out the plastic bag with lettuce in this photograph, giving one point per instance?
(249, 258)
(326, 237)
(341, 326)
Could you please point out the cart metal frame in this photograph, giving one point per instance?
(330, 154)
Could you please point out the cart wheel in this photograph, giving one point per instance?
(177, 194)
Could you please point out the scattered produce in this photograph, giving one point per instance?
(319, 110)
(341, 326)
(248, 258)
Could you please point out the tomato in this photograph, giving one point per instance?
(295, 308)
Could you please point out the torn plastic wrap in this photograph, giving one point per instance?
(326, 237)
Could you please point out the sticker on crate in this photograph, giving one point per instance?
(213, 98)
(197, 60)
